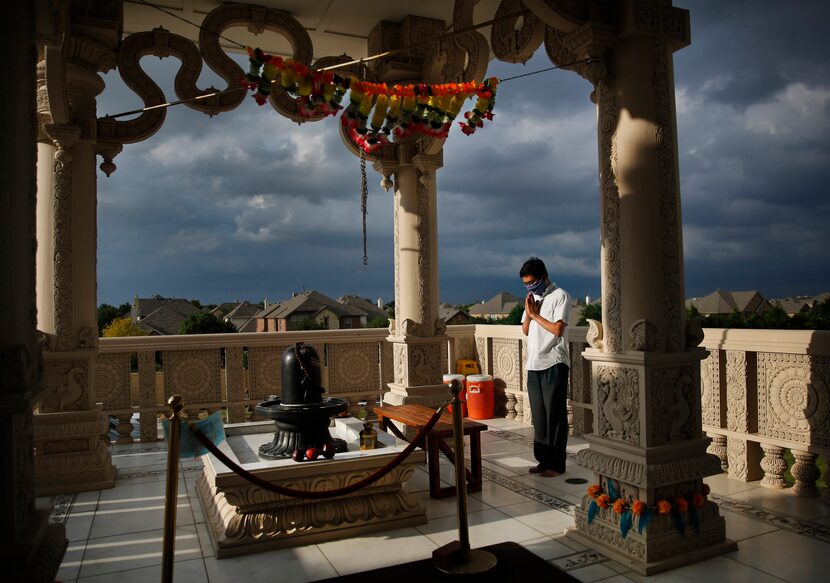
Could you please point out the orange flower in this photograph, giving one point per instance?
(682, 504)
(594, 491)
(638, 507)
(620, 506)
(663, 507)
(706, 489)
(603, 501)
(698, 500)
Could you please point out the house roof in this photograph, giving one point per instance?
(795, 304)
(501, 303)
(310, 302)
(223, 309)
(244, 310)
(247, 326)
(143, 307)
(372, 311)
(448, 311)
(724, 302)
(165, 320)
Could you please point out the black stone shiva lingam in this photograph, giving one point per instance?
(302, 416)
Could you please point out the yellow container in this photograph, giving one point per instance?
(466, 367)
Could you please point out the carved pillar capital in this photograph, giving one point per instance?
(658, 19)
(64, 136)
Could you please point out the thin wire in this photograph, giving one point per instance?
(428, 41)
(199, 26)
(588, 61)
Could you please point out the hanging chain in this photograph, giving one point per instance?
(364, 197)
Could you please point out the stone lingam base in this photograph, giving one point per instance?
(243, 518)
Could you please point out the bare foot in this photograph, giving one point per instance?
(535, 470)
(549, 474)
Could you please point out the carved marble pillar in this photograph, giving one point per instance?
(806, 472)
(417, 334)
(718, 448)
(645, 366)
(31, 549)
(72, 456)
(774, 466)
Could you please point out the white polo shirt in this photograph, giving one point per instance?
(543, 348)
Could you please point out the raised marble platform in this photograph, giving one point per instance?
(243, 518)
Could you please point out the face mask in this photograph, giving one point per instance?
(538, 287)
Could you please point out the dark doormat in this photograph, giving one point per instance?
(513, 560)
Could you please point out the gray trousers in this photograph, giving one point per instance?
(548, 393)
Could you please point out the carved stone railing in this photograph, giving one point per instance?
(136, 375)
(501, 352)
(764, 391)
(229, 371)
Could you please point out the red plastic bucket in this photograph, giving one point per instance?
(462, 395)
(480, 396)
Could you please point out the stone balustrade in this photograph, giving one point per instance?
(233, 371)
(763, 391)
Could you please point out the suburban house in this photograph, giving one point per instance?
(452, 315)
(373, 311)
(307, 307)
(243, 316)
(161, 316)
(498, 306)
(726, 302)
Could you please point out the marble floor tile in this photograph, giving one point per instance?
(716, 569)
(789, 556)
(486, 528)
(504, 471)
(503, 446)
(393, 547)
(136, 508)
(739, 527)
(539, 516)
(809, 509)
(141, 475)
(495, 495)
(596, 572)
(441, 507)
(726, 486)
(191, 571)
(547, 548)
(135, 550)
(78, 527)
(294, 565)
(137, 459)
(72, 561)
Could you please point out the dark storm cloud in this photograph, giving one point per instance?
(247, 204)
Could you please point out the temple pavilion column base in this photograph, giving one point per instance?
(648, 451)
(35, 557)
(660, 548)
(71, 454)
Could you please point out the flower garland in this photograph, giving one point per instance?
(676, 508)
(399, 110)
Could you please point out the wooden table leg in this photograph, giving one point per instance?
(475, 462)
(434, 466)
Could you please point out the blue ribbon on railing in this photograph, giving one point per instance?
(190, 447)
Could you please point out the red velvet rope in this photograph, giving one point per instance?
(319, 494)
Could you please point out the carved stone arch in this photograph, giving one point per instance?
(564, 15)
(132, 49)
(512, 45)
(257, 19)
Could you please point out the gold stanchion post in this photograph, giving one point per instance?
(171, 499)
(457, 557)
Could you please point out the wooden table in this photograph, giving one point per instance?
(418, 416)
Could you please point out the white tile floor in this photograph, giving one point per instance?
(116, 534)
